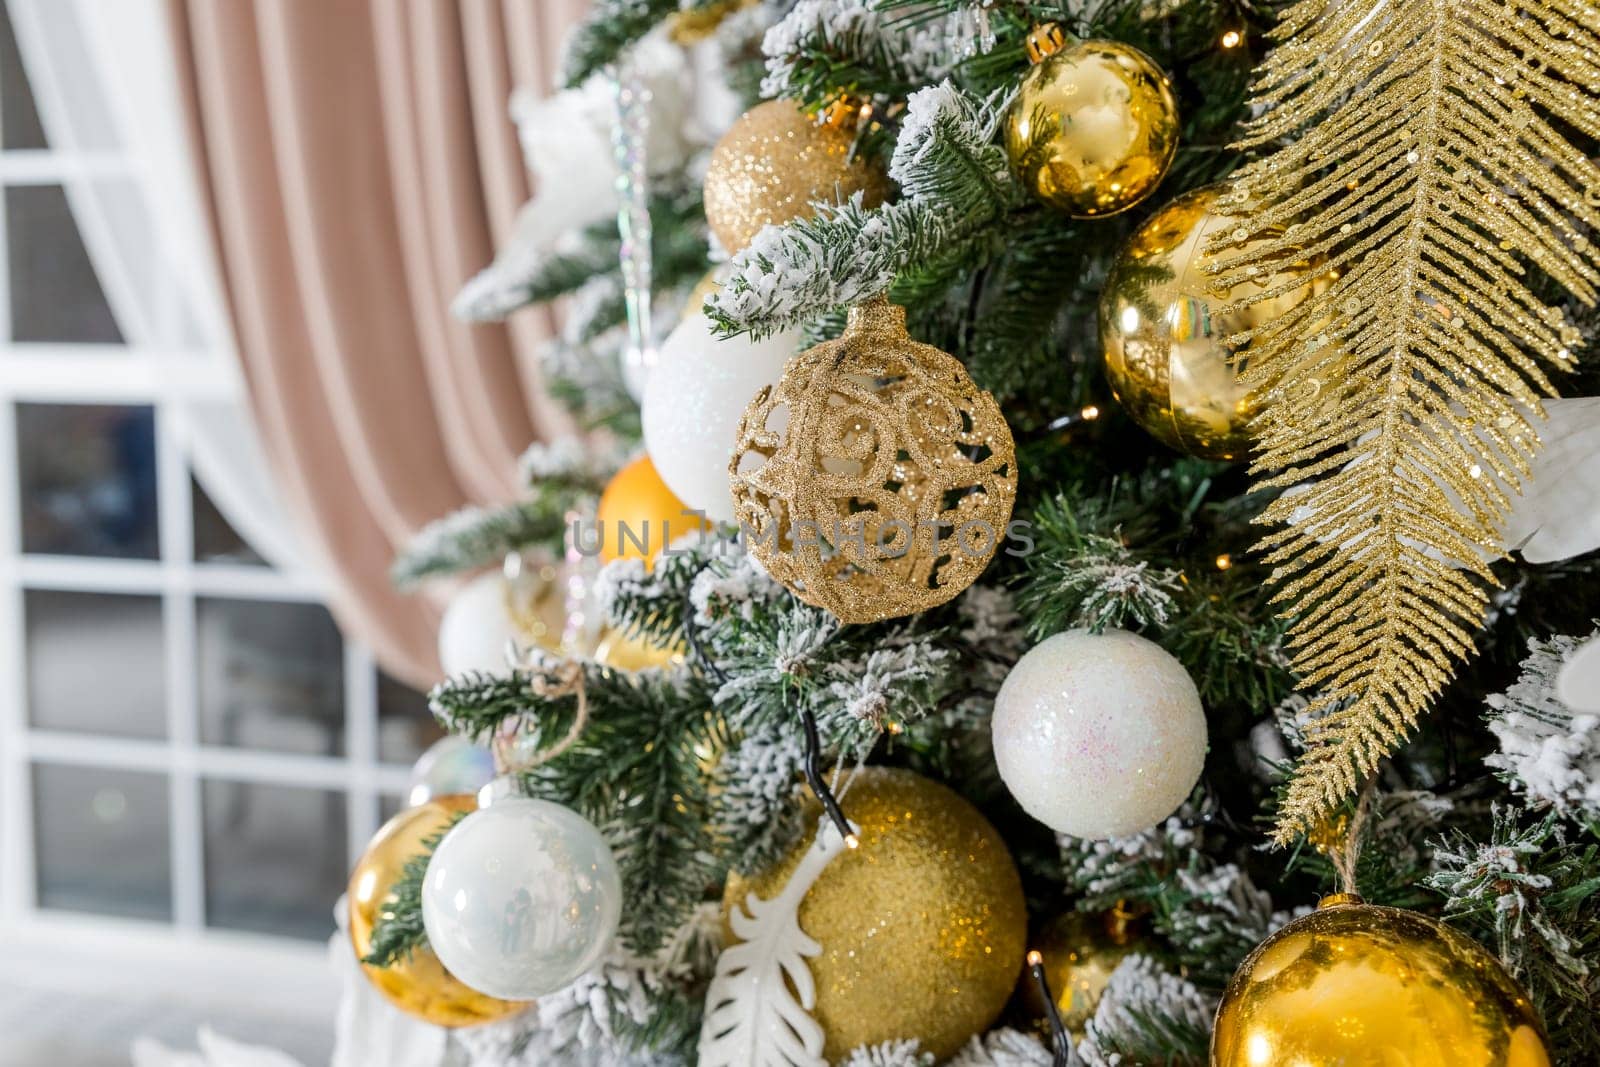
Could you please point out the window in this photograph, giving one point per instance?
(186, 739)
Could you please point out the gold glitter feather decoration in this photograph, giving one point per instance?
(1429, 163)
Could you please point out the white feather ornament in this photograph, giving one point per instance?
(1558, 514)
(752, 1018)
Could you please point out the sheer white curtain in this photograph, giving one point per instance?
(102, 74)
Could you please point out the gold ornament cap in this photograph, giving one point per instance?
(1044, 41)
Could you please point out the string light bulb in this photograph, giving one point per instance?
(1224, 561)
(1061, 1044)
(1232, 39)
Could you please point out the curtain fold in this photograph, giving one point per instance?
(358, 167)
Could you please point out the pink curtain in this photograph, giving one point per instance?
(360, 167)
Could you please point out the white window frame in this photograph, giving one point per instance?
(184, 957)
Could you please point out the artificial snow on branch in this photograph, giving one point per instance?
(821, 44)
(954, 182)
(1547, 751)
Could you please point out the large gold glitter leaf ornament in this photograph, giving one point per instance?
(1434, 153)
(1094, 126)
(1163, 327)
(773, 163)
(1356, 985)
(876, 479)
(922, 927)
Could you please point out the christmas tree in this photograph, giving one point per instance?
(1057, 490)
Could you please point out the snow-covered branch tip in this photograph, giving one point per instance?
(808, 47)
(954, 182)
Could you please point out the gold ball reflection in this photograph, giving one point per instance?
(1356, 985)
(1079, 953)
(420, 985)
(1093, 129)
(1163, 328)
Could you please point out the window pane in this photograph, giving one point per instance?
(101, 841)
(271, 676)
(119, 638)
(55, 293)
(215, 540)
(405, 725)
(88, 479)
(19, 119)
(390, 805)
(275, 858)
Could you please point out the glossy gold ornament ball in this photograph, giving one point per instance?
(1079, 952)
(536, 601)
(638, 515)
(1355, 985)
(1093, 128)
(875, 479)
(922, 927)
(627, 652)
(773, 163)
(1163, 328)
(419, 986)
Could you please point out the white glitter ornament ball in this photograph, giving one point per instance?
(693, 402)
(521, 898)
(1099, 735)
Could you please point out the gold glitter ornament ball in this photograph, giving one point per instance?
(1079, 952)
(922, 927)
(420, 985)
(1163, 328)
(1354, 985)
(773, 163)
(875, 479)
(1093, 128)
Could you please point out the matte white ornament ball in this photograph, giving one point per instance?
(693, 402)
(1099, 735)
(521, 898)
(476, 629)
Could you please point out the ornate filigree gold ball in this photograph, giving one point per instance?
(1356, 985)
(922, 927)
(420, 985)
(876, 479)
(1164, 330)
(1079, 952)
(1093, 128)
(773, 163)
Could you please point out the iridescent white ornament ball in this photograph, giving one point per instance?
(694, 400)
(451, 766)
(1099, 735)
(521, 898)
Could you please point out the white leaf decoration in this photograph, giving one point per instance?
(752, 1018)
(1578, 683)
(1555, 511)
(1558, 515)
